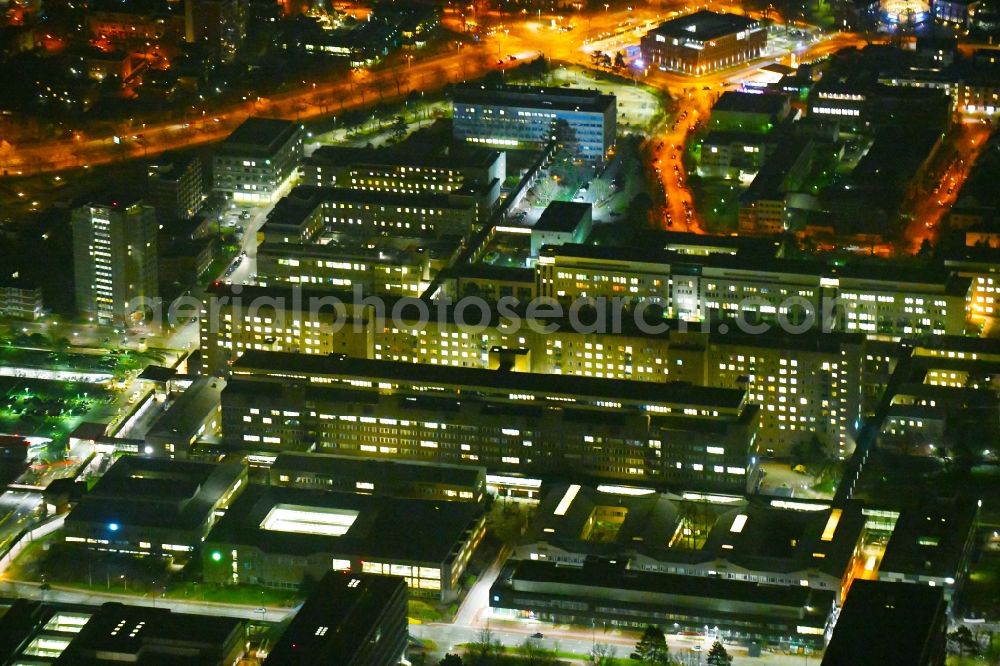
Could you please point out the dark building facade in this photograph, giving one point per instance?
(348, 620)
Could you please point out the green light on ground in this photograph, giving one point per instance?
(216, 556)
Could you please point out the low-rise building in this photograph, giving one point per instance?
(193, 416)
(701, 535)
(736, 111)
(607, 591)
(931, 545)
(562, 222)
(20, 298)
(279, 537)
(39, 632)
(153, 506)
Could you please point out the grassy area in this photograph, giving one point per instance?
(717, 203)
(52, 561)
(423, 611)
(244, 595)
(980, 596)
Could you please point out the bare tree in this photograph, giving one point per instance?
(602, 654)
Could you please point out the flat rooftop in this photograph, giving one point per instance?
(677, 592)
(149, 635)
(338, 618)
(888, 623)
(457, 157)
(156, 492)
(261, 134)
(286, 364)
(676, 262)
(704, 25)
(930, 539)
(562, 216)
(733, 101)
(560, 99)
(751, 535)
(189, 411)
(303, 522)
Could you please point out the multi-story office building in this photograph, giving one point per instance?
(763, 206)
(703, 42)
(114, 259)
(279, 536)
(395, 172)
(176, 187)
(515, 116)
(889, 303)
(959, 12)
(780, 371)
(675, 434)
(982, 266)
(153, 506)
(309, 211)
(259, 160)
(390, 267)
(349, 619)
(19, 298)
(412, 480)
